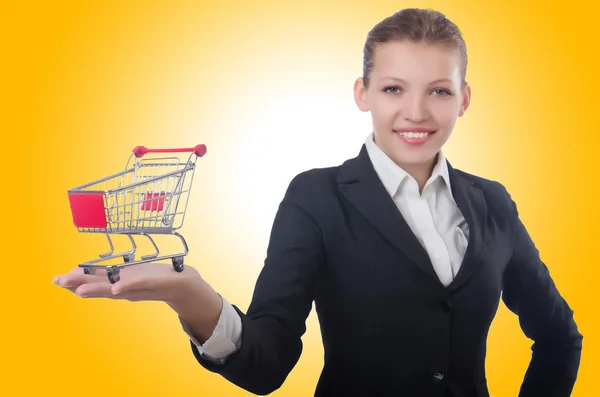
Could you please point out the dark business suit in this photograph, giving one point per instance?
(389, 326)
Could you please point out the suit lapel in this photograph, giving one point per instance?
(471, 202)
(359, 183)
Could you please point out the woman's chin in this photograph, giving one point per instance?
(414, 157)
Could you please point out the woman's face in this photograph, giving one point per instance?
(413, 86)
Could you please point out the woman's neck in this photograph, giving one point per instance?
(420, 172)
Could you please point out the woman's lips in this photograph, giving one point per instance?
(414, 141)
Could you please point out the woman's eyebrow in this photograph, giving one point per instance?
(405, 82)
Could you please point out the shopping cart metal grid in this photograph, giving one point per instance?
(148, 198)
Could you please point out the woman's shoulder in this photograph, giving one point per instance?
(313, 185)
(484, 183)
(494, 192)
(314, 190)
(316, 177)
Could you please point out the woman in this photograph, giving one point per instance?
(405, 257)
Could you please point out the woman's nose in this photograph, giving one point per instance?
(414, 109)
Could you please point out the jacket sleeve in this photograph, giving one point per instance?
(544, 316)
(275, 321)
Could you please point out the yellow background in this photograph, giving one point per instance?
(267, 86)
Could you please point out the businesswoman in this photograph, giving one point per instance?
(405, 257)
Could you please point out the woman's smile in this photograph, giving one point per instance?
(414, 138)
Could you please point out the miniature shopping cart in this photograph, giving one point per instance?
(148, 198)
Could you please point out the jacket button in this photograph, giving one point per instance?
(437, 376)
(446, 306)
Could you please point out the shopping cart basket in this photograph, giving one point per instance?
(148, 198)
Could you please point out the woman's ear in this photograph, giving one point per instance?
(360, 95)
(466, 100)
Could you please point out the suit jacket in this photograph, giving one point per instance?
(389, 326)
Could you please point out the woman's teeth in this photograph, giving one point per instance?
(414, 135)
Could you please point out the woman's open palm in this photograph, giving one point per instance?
(150, 281)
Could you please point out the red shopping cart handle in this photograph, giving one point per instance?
(200, 150)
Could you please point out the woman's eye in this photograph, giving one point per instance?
(443, 92)
(392, 90)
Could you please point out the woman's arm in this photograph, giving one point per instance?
(275, 321)
(544, 316)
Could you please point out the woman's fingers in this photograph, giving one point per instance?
(76, 277)
(104, 290)
(95, 290)
(153, 276)
(137, 282)
(146, 281)
(98, 271)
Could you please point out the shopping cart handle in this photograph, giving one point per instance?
(200, 150)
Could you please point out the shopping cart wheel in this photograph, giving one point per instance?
(87, 270)
(178, 263)
(113, 276)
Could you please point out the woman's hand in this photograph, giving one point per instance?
(150, 281)
(186, 292)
